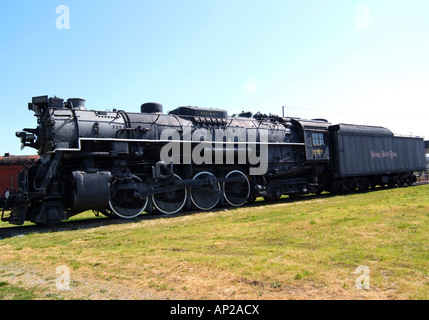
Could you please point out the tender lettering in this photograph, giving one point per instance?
(384, 154)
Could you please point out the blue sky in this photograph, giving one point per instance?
(364, 62)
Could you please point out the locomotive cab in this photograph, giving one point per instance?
(316, 139)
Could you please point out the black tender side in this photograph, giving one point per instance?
(365, 150)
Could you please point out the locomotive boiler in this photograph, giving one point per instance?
(122, 164)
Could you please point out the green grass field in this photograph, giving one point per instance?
(308, 249)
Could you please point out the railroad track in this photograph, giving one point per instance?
(418, 183)
(91, 223)
(96, 222)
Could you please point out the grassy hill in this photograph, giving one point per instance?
(307, 249)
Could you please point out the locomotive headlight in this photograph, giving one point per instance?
(37, 104)
(35, 108)
(27, 139)
(25, 136)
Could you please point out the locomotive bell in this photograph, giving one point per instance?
(77, 103)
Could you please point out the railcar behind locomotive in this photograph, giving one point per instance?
(122, 164)
(10, 166)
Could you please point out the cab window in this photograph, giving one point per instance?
(318, 139)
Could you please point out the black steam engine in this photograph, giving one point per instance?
(122, 164)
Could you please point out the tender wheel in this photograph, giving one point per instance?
(124, 201)
(236, 192)
(205, 197)
(172, 201)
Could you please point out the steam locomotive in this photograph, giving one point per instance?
(122, 164)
